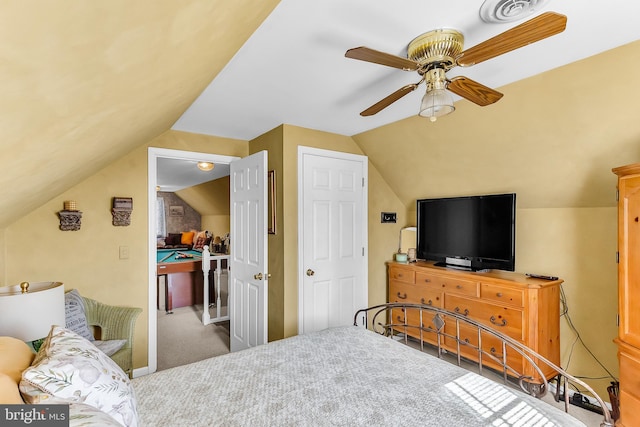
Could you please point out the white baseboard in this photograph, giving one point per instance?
(139, 372)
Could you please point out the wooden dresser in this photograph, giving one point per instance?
(629, 292)
(523, 308)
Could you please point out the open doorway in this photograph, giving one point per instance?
(157, 296)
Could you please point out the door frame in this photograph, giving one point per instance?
(302, 150)
(152, 157)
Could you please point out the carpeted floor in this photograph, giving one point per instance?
(182, 338)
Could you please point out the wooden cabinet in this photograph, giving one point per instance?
(521, 307)
(629, 291)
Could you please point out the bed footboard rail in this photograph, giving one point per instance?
(480, 345)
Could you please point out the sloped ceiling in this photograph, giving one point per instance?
(84, 82)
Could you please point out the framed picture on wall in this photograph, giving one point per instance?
(271, 202)
(176, 210)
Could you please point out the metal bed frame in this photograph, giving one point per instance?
(378, 318)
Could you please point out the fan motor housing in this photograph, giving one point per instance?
(437, 48)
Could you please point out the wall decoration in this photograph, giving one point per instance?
(70, 216)
(271, 202)
(121, 208)
(176, 210)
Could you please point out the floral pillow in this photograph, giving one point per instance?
(88, 416)
(70, 367)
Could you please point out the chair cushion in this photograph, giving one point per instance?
(76, 317)
(110, 347)
(70, 367)
(15, 357)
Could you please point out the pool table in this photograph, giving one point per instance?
(183, 279)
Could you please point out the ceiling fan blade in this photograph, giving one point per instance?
(536, 29)
(385, 102)
(473, 91)
(365, 54)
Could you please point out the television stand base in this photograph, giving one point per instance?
(462, 267)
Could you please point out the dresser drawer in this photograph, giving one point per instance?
(447, 284)
(629, 368)
(404, 292)
(507, 320)
(502, 294)
(402, 274)
(408, 321)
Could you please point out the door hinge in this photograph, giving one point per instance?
(617, 320)
(617, 257)
(363, 251)
(362, 182)
(617, 194)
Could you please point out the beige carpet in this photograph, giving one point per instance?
(182, 338)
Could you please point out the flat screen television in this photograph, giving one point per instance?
(471, 233)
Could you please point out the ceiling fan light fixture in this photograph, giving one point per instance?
(205, 166)
(436, 103)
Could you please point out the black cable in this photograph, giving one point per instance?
(565, 313)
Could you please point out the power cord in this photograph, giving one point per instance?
(564, 312)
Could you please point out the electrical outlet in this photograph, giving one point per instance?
(387, 217)
(124, 252)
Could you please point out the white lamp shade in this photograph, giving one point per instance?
(29, 316)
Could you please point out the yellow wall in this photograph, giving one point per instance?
(272, 143)
(579, 245)
(36, 250)
(211, 201)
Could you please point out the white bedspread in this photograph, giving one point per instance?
(338, 377)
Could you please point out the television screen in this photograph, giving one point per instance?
(475, 232)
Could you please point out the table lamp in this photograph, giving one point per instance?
(28, 310)
(402, 256)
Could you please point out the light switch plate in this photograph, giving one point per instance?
(387, 217)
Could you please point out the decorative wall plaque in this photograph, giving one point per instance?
(70, 220)
(121, 209)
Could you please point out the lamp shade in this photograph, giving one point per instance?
(29, 315)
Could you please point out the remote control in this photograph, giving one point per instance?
(540, 276)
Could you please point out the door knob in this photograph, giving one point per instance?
(259, 276)
(310, 272)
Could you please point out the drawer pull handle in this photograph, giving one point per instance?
(399, 274)
(494, 321)
(402, 297)
(467, 340)
(427, 280)
(465, 312)
(493, 350)
(458, 286)
(428, 302)
(499, 294)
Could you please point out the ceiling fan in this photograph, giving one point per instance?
(434, 53)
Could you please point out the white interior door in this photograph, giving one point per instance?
(333, 232)
(248, 263)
